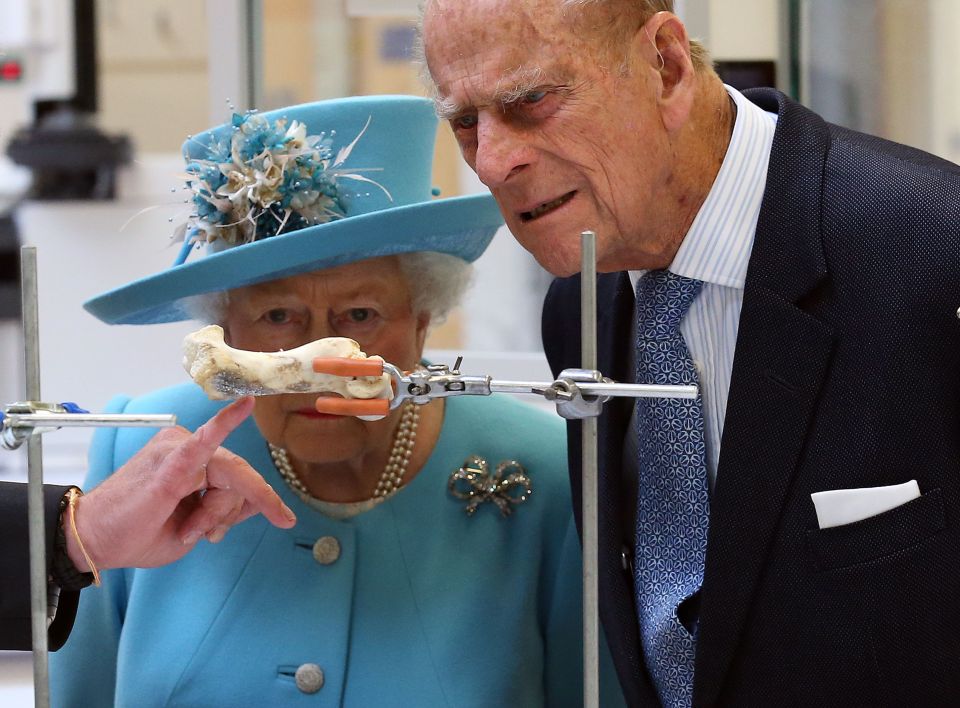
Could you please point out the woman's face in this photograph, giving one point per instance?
(368, 301)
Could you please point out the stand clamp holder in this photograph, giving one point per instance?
(19, 421)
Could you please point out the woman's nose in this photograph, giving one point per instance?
(319, 328)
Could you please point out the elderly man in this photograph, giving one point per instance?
(806, 276)
(180, 488)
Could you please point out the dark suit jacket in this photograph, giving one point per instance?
(15, 629)
(846, 374)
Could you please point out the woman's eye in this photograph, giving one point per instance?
(359, 314)
(278, 316)
(353, 321)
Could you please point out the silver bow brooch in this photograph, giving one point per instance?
(508, 486)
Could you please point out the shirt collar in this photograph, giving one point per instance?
(717, 246)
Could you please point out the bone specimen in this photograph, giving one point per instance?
(224, 372)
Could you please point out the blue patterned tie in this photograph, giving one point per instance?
(672, 502)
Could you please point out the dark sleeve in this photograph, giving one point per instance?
(558, 322)
(15, 626)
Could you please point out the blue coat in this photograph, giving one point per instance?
(425, 606)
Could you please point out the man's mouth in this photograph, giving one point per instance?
(546, 207)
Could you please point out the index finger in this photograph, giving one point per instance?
(196, 451)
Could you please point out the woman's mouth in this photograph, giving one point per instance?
(315, 414)
(546, 207)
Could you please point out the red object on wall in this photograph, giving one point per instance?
(10, 70)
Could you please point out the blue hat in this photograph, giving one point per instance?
(301, 189)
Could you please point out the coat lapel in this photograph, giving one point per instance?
(781, 360)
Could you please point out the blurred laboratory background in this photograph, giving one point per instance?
(96, 97)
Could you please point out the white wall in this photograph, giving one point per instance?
(16, 679)
(943, 61)
(744, 29)
(83, 250)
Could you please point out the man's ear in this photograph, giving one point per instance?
(668, 49)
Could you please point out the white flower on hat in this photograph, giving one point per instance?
(268, 179)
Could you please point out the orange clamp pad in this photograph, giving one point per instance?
(353, 406)
(342, 366)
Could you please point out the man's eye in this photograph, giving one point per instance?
(534, 96)
(359, 314)
(278, 316)
(464, 122)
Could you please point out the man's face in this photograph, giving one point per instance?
(564, 140)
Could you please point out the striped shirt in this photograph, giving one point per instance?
(716, 250)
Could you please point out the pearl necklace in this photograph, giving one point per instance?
(392, 477)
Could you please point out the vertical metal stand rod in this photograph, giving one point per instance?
(588, 352)
(38, 573)
(38, 556)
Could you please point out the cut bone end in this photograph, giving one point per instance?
(224, 372)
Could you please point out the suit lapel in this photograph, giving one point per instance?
(781, 360)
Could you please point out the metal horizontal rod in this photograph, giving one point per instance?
(600, 389)
(84, 420)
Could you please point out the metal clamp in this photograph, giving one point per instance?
(571, 402)
(19, 421)
(13, 432)
(578, 393)
(435, 381)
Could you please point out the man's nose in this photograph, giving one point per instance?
(503, 151)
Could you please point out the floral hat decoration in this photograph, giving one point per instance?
(300, 189)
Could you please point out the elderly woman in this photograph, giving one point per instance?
(318, 222)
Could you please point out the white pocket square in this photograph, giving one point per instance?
(837, 507)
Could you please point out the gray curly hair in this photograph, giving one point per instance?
(437, 283)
